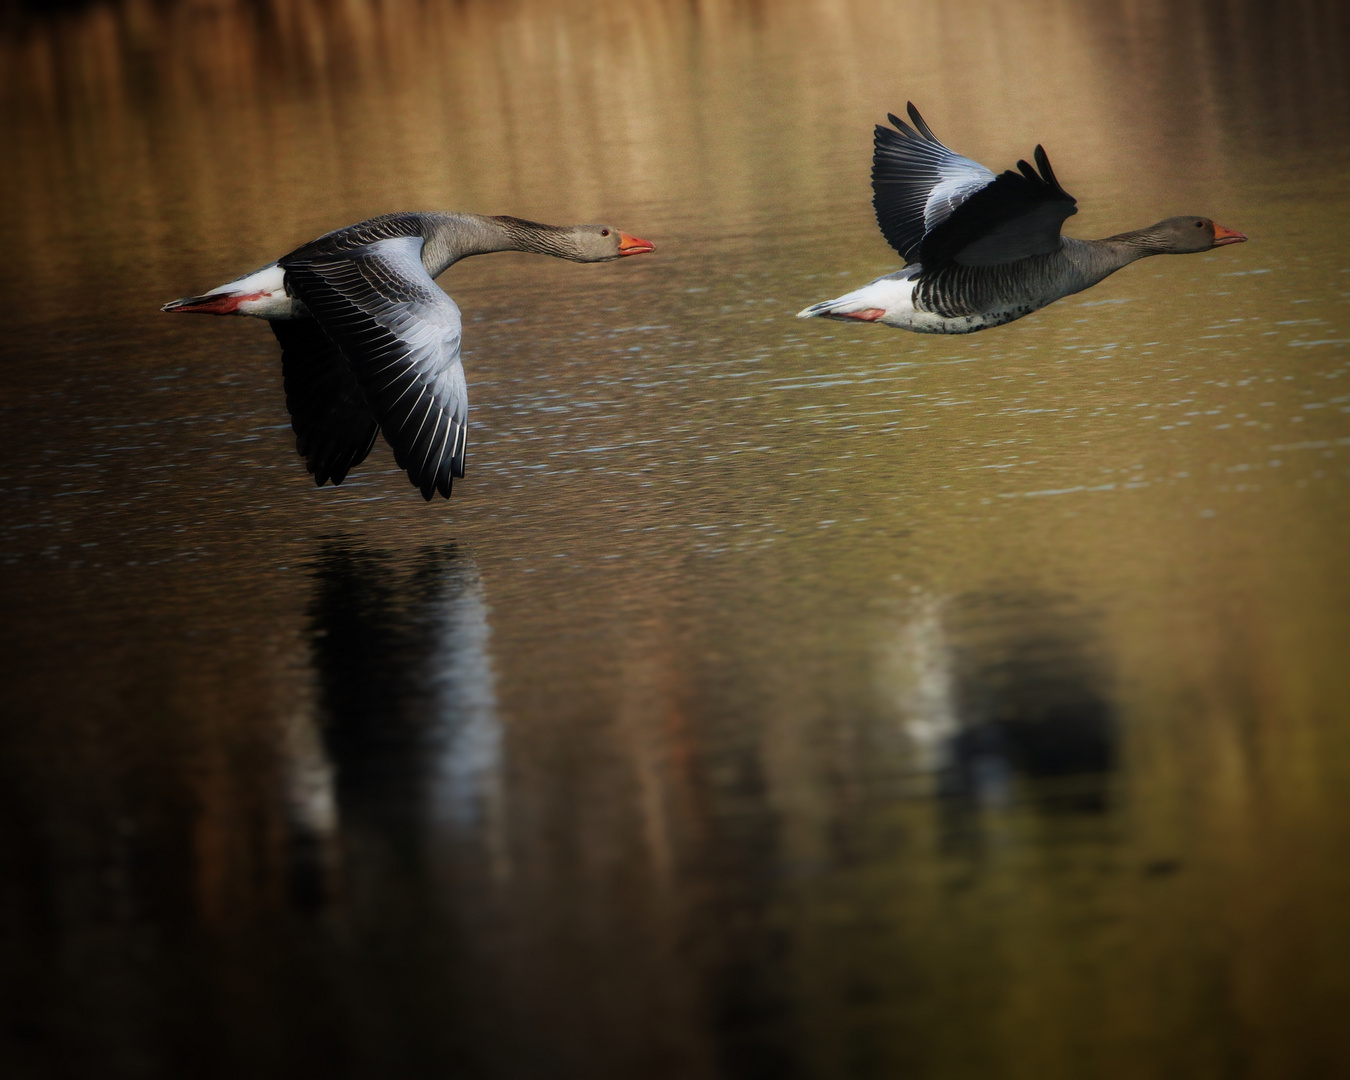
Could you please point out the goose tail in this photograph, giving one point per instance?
(852, 306)
(210, 304)
(261, 294)
(874, 301)
(824, 308)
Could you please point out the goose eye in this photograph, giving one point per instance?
(1199, 224)
(604, 232)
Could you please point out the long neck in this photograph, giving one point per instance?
(1126, 247)
(1098, 259)
(451, 237)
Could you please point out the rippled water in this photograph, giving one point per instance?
(773, 698)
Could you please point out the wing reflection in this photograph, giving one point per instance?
(1001, 687)
(407, 698)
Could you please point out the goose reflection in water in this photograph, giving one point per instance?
(1004, 693)
(408, 702)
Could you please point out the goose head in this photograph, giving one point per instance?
(601, 243)
(1185, 235)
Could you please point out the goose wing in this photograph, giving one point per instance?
(937, 207)
(400, 335)
(334, 427)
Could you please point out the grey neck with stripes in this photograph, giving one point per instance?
(451, 237)
(1098, 259)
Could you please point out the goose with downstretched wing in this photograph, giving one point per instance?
(371, 345)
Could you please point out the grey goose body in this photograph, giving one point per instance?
(370, 344)
(981, 249)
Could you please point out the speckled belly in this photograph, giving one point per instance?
(930, 322)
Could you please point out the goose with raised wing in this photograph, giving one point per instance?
(982, 250)
(370, 344)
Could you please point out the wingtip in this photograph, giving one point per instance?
(903, 128)
(920, 122)
(435, 487)
(1043, 162)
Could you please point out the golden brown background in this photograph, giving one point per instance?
(773, 698)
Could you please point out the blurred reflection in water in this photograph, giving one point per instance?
(404, 667)
(1031, 697)
(1000, 685)
(406, 698)
(406, 704)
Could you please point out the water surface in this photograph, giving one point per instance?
(773, 698)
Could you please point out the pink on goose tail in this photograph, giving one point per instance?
(211, 303)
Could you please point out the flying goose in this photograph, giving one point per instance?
(981, 250)
(369, 343)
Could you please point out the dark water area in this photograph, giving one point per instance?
(773, 698)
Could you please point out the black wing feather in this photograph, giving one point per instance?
(919, 123)
(400, 335)
(334, 427)
(1015, 217)
(938, 208)
(909, 165)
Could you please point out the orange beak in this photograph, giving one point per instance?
(1221, 236)
(631, 245)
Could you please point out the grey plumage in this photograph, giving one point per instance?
(370, 343)
(956, 291)
(936, 207)
(984, 249)
(400, 335)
